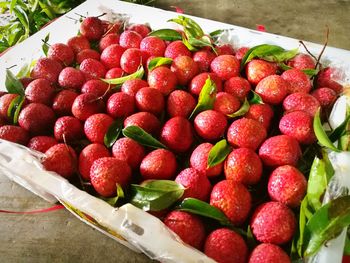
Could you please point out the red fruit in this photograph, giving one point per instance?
(325, 78)
(298, 81)
(78, 43)
(108, 172)
(199, 160)
(302, 61)
(68, 129)
(62, 53)
(226, 246)
(95, 86)
(241, 52)
(46, 68)
(130, 151)
(132, 86)
(325, 96)
(198, 82)
(107, 40)
(71, 78)
(131, 60)
(238, 87)
(5, 102)
(142, 29)
(177, 134)
(153, 46)
(41, 143)
(247, 133)
(272, 89)
(203, 58)
(14, 134)
(301, 101)
(62, 103)
(87, 53)
(40, 91)
(130, 39)
(120, 104)
(61, 159)
(273, 222)
(225, 49)
(150, 100)
(92, 69)
(262, 113)
(96, 126)
(158, 164)
(210, 124)
(267, 253)
(37, 118)
(257, 69)
(176, 49)
(162, 79)
(86, 105)
(110, 56)
(299, 125)
(187, 226)
(25, 82)
(145, 120)
(92, 28)
(287, 185)
(88, 155)
(180, 103)
(244, 166)
(196, 184)
(184, 68)
(280, 150)
(226, 103)
(114, 73)
(225, 66)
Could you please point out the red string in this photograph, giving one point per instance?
(178, 9)
(45, 210)
(261, 28)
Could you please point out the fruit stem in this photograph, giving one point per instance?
(307, 50)
(324, 47)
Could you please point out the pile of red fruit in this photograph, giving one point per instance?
(68, 109)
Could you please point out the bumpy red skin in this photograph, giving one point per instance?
(62, 103)
(267, 253)
(142, 29)
(78, 43)
(145, 120)
(226, 103)
(244, 166)
(256, 70)
(86, 105)
(128, 150)
(301, 101)
(196, 184)
(131, 60)
(180, 103)
(238, 87)
(131, 86)
(87, 53)
(61, 159)
(71, 78)
(120, 104)
(92, 28)
(25, 82)
(184, 68)
(226, 246)
(280, 150)
(96, 87)
(40, 91)
(272, 89)
(325, 96)
(177, 134)
(233, 199)
(298, 81)
(210, 124)
(203, 58)
(88, 155)
(62, 53)
(302, 61)
(325, 78)
(241, 52)
(14, 134)
(96, 126)
(198, 82)
(273, 222)
(158, 164)
(225, 49)
(37, 118)
(225, 66)
(106, 173)
(247, 133)
(114, 73)
(41, 143)
(199, 160)
(162, 79)
(46, 68)
(262, 113)
(287, 185)
(153, 46)
(150, 100)
(176, 49)
(110, 56)
(5, 102)
(299, 125)
(130, 39)
(68, 129)
(92, 69)
(107, 40)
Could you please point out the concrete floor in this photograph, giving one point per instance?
(60, 237)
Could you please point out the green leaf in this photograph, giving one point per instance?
(347, 244)
(45, 46)
(218, 153)
(255, 98)
(340, 130)
(310, 71)
(166, 34)
(159, 61)
(284, 66)
(113, 133)
(321, 135)
(241, 111)
(281, 56)
(200, 42)
(190, 26)
(156, 195)
(12, 5)
(188, 45)
(142, 137)
(118, 81)
(12, 84)
(113, 200)
(23, 18)
(216, 33)
(14, 108)
(207, 97)
(304, 215)
(251, 242)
